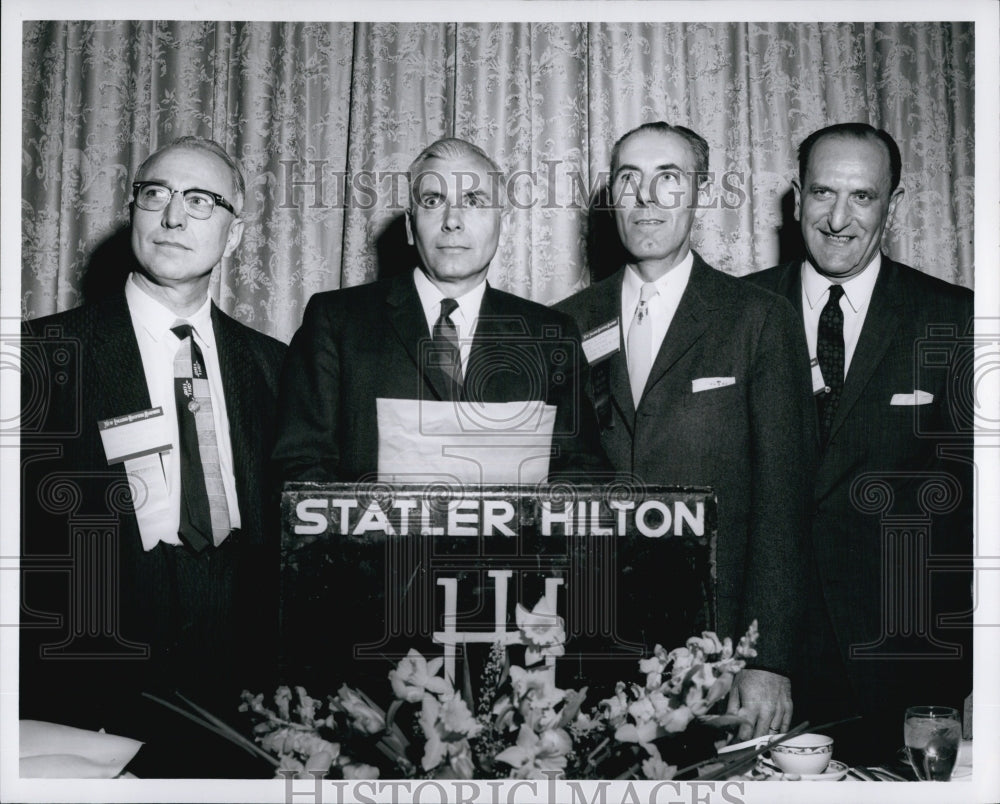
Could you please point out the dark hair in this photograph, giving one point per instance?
(448, 148)
(694, 140)
(859, 131)
(206, 145)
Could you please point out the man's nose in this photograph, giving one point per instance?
(174, 214)
(644, 193)
(840, 214)
(452, 217)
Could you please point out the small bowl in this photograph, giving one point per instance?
(805, 754)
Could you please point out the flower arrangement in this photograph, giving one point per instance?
(522, 725)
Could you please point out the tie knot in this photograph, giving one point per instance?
(647, 291)
(836, 291)
(448, 306)
(181, 330)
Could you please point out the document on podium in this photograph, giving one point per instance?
(423, 441)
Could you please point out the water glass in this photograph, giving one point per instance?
(932, 735)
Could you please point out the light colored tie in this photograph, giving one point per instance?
(194, 407)
(640, 343)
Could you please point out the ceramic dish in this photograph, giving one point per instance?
(834, 772)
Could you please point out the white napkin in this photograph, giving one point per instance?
(53, 751)
(464, 442)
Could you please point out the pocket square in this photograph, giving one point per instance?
(708, 383)
(916, 398)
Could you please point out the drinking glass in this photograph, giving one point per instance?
(932, 735)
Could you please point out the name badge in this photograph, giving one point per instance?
(602, 341)
(134, 435)
(819, 384)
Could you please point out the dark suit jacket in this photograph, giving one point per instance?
(168, 619)
(752, 440)
(363, 343)
(884, 460)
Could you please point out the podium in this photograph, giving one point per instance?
(370, 571)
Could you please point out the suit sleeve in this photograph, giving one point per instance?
(579, 456)
(307, 447)
(783, 460)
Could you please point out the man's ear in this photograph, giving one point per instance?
(894, 199)
(234, 236)
(703, 195)
(797, 191)
(409, 227)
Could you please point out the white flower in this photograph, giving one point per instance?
(542, 630)
(414, 674)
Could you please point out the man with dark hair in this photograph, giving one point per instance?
(358, 345)
(705, 387)
(146, 434)
(893, 489)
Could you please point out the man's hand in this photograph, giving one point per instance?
(764, 699)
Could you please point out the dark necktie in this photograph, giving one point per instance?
(446, 354)
(830, 354)
(204, 511)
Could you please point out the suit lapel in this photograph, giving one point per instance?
(123, 387)
(881, 321)
(240, 388)
(790, 286)
(688, 325)
(604, 307)
(406, 316)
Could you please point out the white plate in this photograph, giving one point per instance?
(834, 772)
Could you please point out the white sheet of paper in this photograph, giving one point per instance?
(54, 751)
(464, 442)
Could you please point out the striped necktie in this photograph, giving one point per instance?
(204, 511)
(447, 355)
(640, 343)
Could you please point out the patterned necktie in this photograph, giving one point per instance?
(204, 511)
(640, 343)
(830, 354)
(446, 354)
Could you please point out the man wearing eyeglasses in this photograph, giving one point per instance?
(155, 410)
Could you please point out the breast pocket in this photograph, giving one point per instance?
(713, 398)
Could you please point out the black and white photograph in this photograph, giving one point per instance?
(549, 401)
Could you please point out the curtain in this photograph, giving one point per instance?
(325, 117)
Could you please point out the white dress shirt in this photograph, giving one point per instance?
(661, 307)
(465, 318)
(157, 348)
(854, 304)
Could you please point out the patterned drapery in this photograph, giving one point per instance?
(325, 117)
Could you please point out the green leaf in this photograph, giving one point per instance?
(467, 681)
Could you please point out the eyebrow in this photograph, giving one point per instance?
(870, 190)
(659, 168)
(163, 183)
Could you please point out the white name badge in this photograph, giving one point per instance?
(137, 440)
(134, 435)
(819, 384)
(602, 341)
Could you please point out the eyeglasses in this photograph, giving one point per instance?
(198, 203)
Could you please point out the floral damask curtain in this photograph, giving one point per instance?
(325, 117)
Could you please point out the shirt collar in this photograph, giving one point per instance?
(857, 290)
(430, 299)
(157, 319)
(674, 279)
